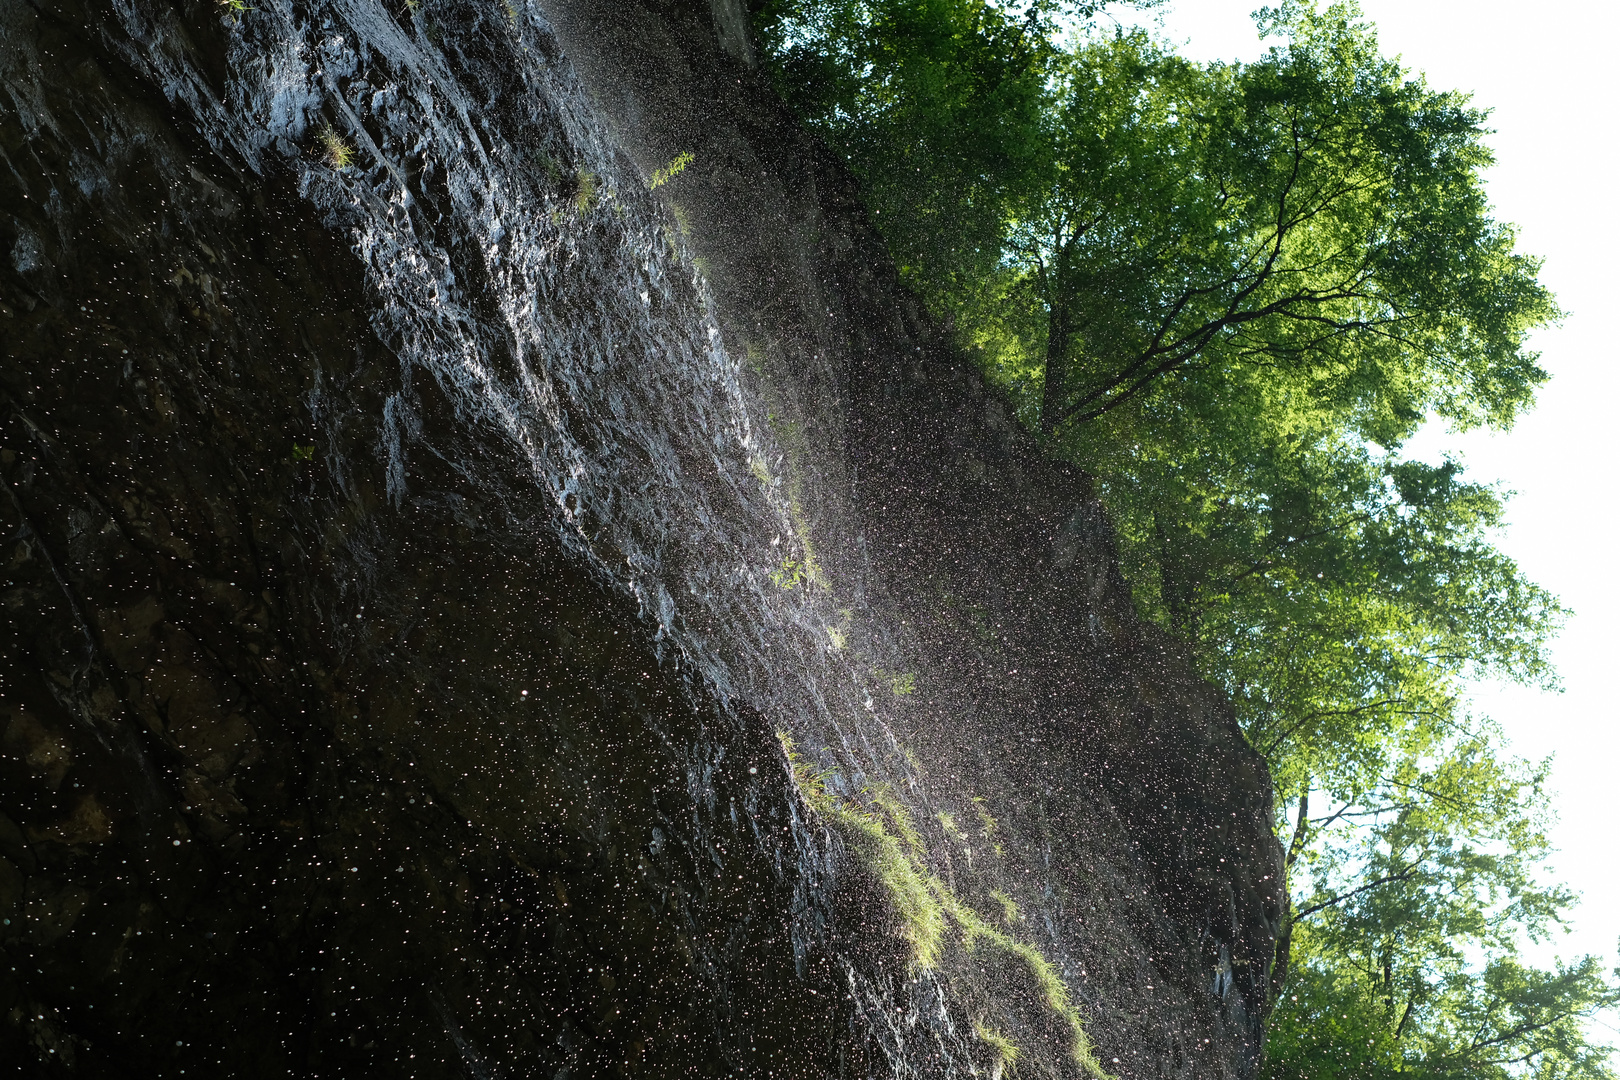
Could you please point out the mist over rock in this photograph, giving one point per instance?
(470, 612)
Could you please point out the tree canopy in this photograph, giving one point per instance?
(1312, 213)
(1232, 292)
(1410, 908)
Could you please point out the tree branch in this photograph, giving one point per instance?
(1404, 875)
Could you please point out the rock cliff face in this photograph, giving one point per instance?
(468, 613)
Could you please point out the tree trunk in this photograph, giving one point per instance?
(1285, 934)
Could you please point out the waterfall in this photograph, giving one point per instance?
(476, 635)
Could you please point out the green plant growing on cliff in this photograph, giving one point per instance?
(802, 571)
(334, 150)
(900, 683)
(882, 834)
(921, 916)
(662, 176)
(790, 575)
(1053, 991)
(1006, 1053)
(549, 166)
(586, 195)
(986, 823)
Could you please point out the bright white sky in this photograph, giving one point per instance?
(1547, 71)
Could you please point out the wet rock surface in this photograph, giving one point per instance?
(1106, 761)
(418, 533)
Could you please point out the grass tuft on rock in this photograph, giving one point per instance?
(334, 151)
(1005, 1050)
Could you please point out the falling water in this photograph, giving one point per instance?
(558, 353)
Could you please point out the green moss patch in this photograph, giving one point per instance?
(945, 933)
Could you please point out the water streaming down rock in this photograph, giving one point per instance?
(426, 538)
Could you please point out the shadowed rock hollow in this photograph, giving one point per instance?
(469, 613)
